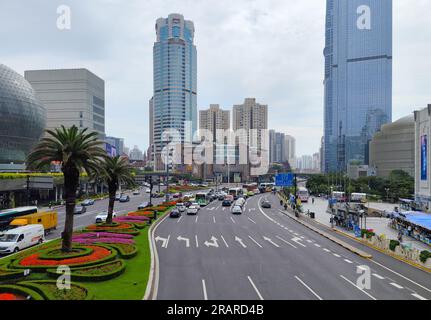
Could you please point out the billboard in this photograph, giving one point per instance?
(110, 150)
(284, 180)
(424, 157)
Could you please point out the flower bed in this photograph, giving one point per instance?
(7, 274)
(147, 214)
(125, 251)
(102, 234)
(109, 240)
(99, 272)
(48, 290)
(58, 254)
(132, 219)
(99, 254)
(14, 292)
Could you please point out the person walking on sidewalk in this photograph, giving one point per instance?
(312, 200)
(400, 236)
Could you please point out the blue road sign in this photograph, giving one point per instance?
(284, 180)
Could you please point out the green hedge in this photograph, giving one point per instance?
(48, 290)
(125, 251)
(424, 256)
(100, 272)
(393, 244)
(10, 288)
(57, 254)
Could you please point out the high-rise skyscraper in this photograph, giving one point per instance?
(358, 78)
(277, 145)
(214, 119)
(290, 150)
(175, 81)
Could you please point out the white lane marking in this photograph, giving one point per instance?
(396, 285)
(285, 241)
(224, 241)
(271, 242)
(336, 255)
(204, 289)
(167, 242)
(255, 242)
(251, 220)
(255, 288)
(302, 237)
(197, 243)
(240, 241)
(378, 276)
(214, 219)
(327, 250)
(213, 242)
(296, 234)
(164, 241)
(187, 240)
(348, 261)
(357, 287)
(179, 219)
(196, 221)
(297, 240)
(232, 220)
(309, 289)
(317, 245)
(418, 296)
(309, 241)
(223, 209)
(400, 275)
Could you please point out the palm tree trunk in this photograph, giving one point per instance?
(71, 181)
(112, 191)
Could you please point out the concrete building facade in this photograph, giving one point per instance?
(71, 97)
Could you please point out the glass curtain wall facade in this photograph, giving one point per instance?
(175, 80)
(358, 78)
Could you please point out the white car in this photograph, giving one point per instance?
(181, 207)
(240, 202)
(236, 210)
(102, 216)
(193, 209)
(147, 190)
(16, 239)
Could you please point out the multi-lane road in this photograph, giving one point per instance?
(265, 254)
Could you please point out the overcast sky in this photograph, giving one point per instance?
(267, 49)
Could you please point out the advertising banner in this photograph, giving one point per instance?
(424, 158)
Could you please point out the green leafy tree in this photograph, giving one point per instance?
(77, 151)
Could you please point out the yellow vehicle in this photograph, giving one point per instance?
(47, 219)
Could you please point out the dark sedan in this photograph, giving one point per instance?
(79, 210)
(226, 203)
(124, 198)
(175, 214)
(266, 205)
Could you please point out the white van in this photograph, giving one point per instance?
(16, 239)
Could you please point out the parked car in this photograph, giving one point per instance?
(124, 198)
(101, 217)
(181, 207)
(117, 197)
(193, 209)
(16, 239)
(87, 202)
(236, 210)
(79, 209)
(147, 190)
(266, 205)
(136, 193)
(144, 205)
(221, 197)
(175, 214)
(226, 203)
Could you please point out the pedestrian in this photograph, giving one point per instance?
(400, 236)
(50, 205)
(312, 200)
(285, 206)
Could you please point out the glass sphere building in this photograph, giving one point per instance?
(22, 117)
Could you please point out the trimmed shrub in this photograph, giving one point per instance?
(424, 256)
(20, 291)
(48, 290)
(126, 251)
(57, 254)
(368, 233)
(393, 244)
(99, 272)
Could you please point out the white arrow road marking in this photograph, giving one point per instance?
(225, 243)
(255, 242)
(285, 241)
(357, 287)
(184, 239)
(255, 288)
(240, 241)
(271, 242)
(298, 241)
(251, 220)
(164, 241)
(213, 243)
(309, 289)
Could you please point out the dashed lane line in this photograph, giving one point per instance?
(225, 243)
(360, 289)
(378, 276)
(204, 289)
(348, 261)
(309, 289)
(396, 285)
(232, 220)
(255, 288)
(287, 242)
(251, 220)
(257, 243)
(418, 296)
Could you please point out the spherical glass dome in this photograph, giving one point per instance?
(22, 117)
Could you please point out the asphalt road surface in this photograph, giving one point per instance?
(264, 254)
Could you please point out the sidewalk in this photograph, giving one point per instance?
(379, 225)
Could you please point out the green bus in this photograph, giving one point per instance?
(202, 198)
(6, 216)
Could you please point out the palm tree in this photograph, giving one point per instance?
(77, 151)
(115, 171)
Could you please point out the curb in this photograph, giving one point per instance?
(153, 278)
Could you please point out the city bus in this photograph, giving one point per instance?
(358, 197)
(203, 198)
(339, 196)
(6, 216)
(236, 192)
(303, 194)
(266, 187)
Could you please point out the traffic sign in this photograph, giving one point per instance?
(284, 180)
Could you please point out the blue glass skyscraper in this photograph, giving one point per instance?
(175, 72)
(358, 78)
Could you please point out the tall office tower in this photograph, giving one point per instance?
(118, 143)
(151, 146)
(214, 119)
(175, 78)
(71, 97)
(136, 154)
(290, 150)
(358, 78)
(277, 146)
(251, 115)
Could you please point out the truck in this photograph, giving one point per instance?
(48, 219)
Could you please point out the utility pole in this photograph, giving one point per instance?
(28, 190)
